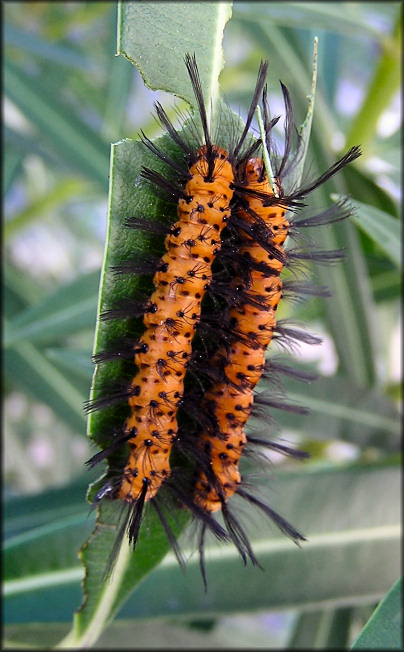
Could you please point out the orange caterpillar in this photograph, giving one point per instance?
(254, 257)
(161, 354)
(244, 354)
(170, 318)
(251, 322)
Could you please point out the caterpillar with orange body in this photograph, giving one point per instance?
(207, 325)
(249, 323)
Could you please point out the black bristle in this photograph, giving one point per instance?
(157, 179)
(349, 157)
(124, 309)
(268, 400)
(279, 521)
(262, 73)
(151, 226)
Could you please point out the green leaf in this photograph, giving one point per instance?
(327, 16)
(174, 28)
(327, 629)
(346, 529)
(383, 229)
(269, 38)
(364, 189)
(236, 632)
(33, 635)
(24, 513)
(384, 629)
(350, 311)
(18, 293)
(55, 521)
(349, 515)
(339, 409)
(295, 176)
(305, 128)
(61, 538)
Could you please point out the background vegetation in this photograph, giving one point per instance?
(66, 99)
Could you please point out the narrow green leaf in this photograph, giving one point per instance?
(68, 310)
(271, 38)
(23, 513)
(339, 409)
(387, 286)
(61, 538)
(346, 532)
(296, 174)
(56, 521)
(33, 636)
(363, 188)
(384, 629)
(327, 629)
(344, 18)
(305, 630)
(77, 362)
(63, 593)
(350, 311)
(383, 229)
(19, 292)
(349, 515)
(305, 128)
(337, 636)
(237, 632)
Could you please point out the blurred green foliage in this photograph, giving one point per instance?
(66, 99)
